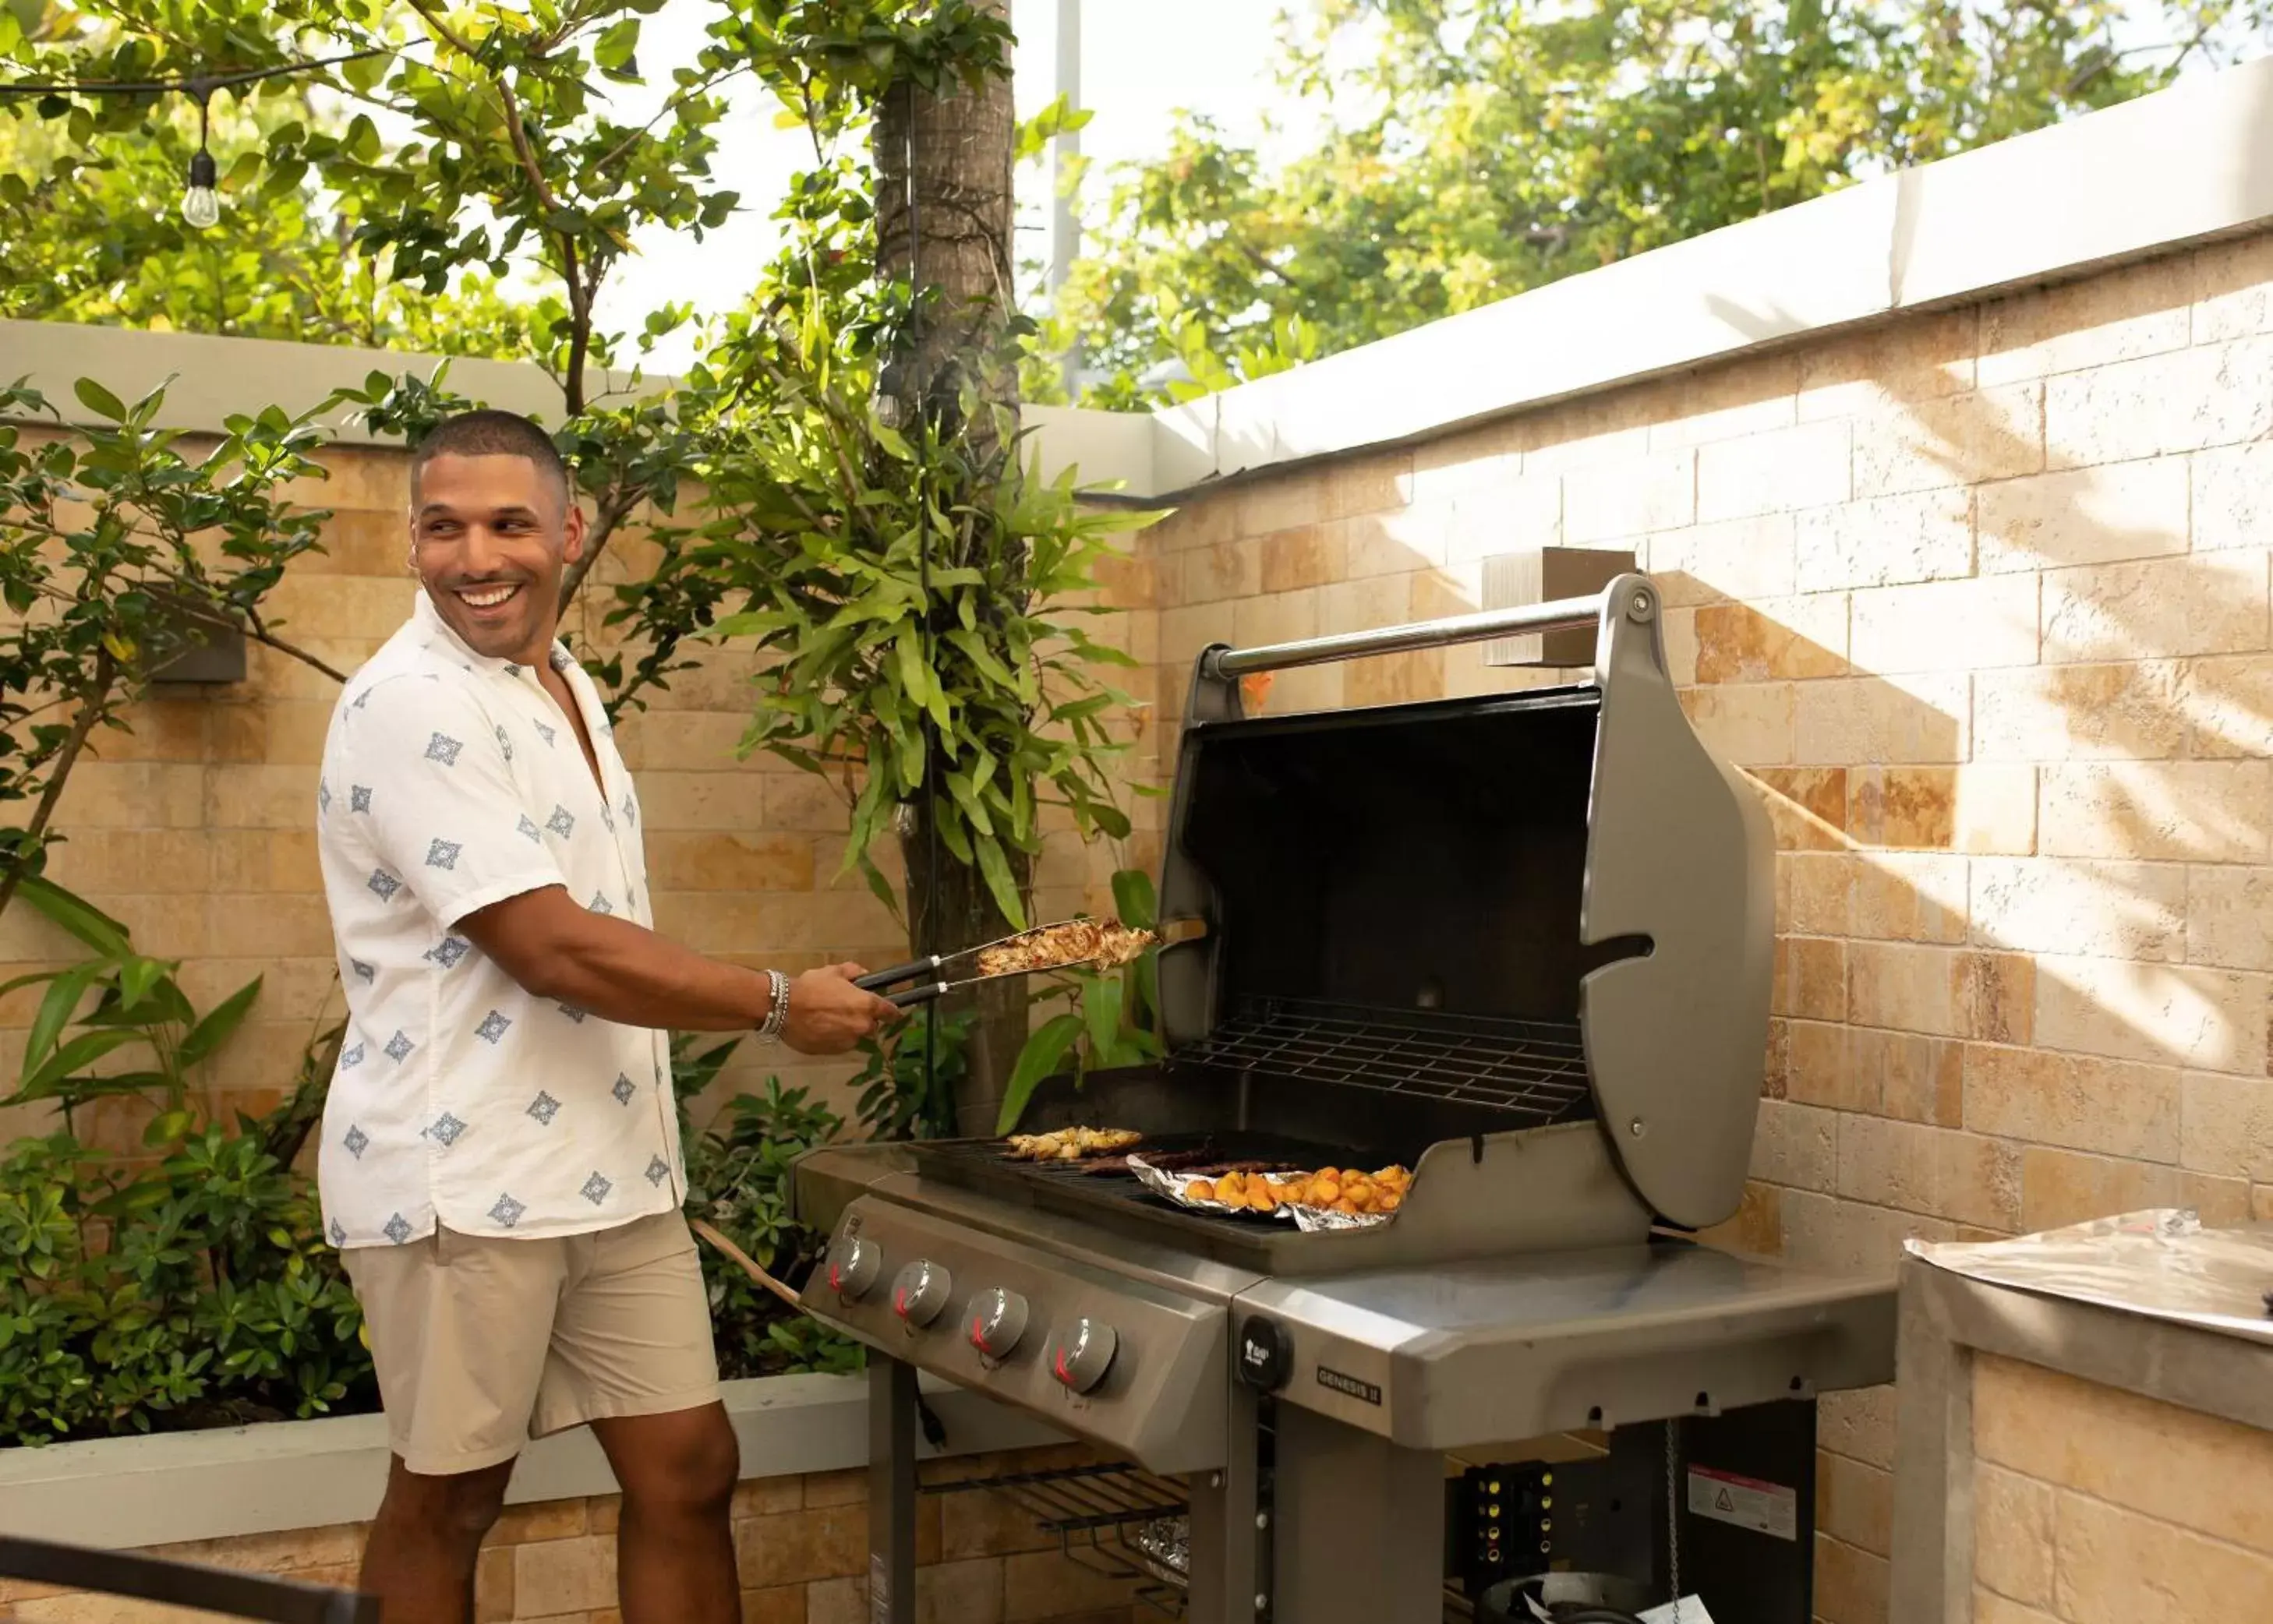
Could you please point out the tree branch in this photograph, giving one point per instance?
(579, 297)
(612, 511)
(92, 708)
(513, 128)
(608, 158)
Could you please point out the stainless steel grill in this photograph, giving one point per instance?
(1520, 944)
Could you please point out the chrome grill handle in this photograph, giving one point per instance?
(1481, 627)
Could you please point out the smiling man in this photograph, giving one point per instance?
(500, 1165)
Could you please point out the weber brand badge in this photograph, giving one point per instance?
(1765, 1507)
(1263, 1354)
(1349, 1386)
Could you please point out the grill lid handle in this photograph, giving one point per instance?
(1481, 627)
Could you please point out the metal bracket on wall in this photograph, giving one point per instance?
(207, 655)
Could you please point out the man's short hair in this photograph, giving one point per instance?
(491, 434)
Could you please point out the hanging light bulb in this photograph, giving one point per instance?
(201, 203)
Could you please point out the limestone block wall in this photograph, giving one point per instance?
(2092, 1505)
(1979, 599)
(801, 1546)
(197, 828)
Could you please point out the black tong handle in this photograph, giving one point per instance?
(876, 981)
(908, 998)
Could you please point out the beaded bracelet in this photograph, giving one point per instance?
(777, 1012)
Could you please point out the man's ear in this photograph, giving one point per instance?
(572, 533)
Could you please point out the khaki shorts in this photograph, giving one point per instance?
(483, 1343)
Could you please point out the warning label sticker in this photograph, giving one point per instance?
(1764, 1507)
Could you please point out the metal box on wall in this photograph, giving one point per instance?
(195, 652)
(1543, 575)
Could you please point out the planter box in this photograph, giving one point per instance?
(292, 1497)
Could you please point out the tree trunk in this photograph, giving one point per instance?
(964, 917)
(943, 212)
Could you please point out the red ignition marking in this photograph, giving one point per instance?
(978, 1334)
(836, 1276)
(900, 1302)
(1064, 1374)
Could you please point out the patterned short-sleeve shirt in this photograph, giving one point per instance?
(451, 782)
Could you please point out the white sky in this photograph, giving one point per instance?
(1141, 61)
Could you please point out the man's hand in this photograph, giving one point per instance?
(827, 1014)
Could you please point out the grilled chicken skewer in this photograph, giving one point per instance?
(1101, 944)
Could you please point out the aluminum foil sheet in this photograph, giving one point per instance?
(1175, 1186)
(2161, 1263)
(1167, 1541)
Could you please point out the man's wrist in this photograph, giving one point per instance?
(776, 1016)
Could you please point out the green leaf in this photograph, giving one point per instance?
(100, 400)
(981, 656)
(1101, 1009)
(996, 869)
(210, 1033)
(137, 980)
(966, 796)
(168, 1127)
(613, 49)
(1133, 899)
(81, 1051)
(362, 142)
(880, 885)
(1036, 1061)
(77, 915)
(915, 677)
(1144, 976)
(54, 1012)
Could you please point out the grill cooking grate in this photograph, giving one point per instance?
(1536, 1069)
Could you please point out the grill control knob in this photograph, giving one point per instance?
(1079, 1357)
(920, 1292)
(998, 1319)
(853, 1266)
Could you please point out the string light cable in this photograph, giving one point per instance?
(201, 200)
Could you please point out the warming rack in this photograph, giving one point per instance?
(1536, 1069)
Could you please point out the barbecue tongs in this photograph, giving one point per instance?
(908, 998)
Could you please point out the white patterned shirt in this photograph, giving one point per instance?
(451, 782)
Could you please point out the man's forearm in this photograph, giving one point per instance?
(626, 973)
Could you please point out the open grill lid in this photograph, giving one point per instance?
(1526, 908)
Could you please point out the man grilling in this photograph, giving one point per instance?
(500, 1165)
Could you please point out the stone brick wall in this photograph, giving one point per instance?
(197, 828)
(2096, 1506)
(1979, 599)
(801, 1542)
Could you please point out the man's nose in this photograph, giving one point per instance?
(484, 550)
